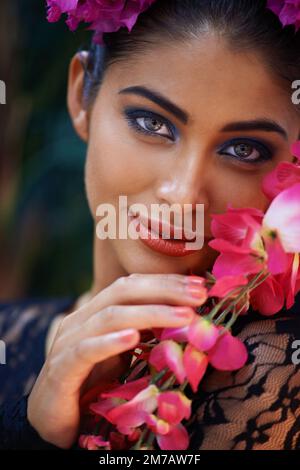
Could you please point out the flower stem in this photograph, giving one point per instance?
(150, 440)
(183, 386)
(139, 443)
(250, 286)
(168, 383)
(158, 376)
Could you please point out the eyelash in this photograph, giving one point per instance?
(131, 116)
(266, 153)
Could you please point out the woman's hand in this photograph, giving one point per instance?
(95, 337)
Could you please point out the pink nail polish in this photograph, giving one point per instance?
(126, 336)
(196, 291)
(183, 312)
(196, 280)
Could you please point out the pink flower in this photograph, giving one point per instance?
(225, 285)
(128, 390)
(202, 333)
(102, 407)
(268, 297)
(287, 10)
(251, 243)
(237, 237)
(282, 220)
(176, 439)
(168, 354)
(237, 226)
(195, 364)
(91, 442)
(180, 335)
(285, 175)
(229, 353)
(103, 15)
(168, 437)
(173, 407)
(290, 280)
(133, 413)
(157, 425)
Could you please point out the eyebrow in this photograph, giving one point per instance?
(159, 99)
(262, 124)
(267, 125)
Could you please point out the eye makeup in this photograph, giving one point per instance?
(132, 114)
(261, 151)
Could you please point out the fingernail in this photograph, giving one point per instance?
(183, 312)
(196, 280)
(126, 336)
(196, 291)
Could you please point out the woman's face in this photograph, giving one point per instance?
(227, 124)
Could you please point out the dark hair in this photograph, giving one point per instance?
(244, 24)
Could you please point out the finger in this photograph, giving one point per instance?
(119, 317)
(70, 368)
(136, 289)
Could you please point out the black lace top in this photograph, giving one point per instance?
(257, 407)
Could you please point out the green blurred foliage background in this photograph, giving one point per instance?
(46, 229)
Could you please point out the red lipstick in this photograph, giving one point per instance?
(155, 240)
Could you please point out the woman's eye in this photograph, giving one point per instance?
(247, 151)
(149, 124)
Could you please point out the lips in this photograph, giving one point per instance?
(164, 229)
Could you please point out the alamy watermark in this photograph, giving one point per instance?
(2, 92)
(296, 354)
(296, 93)
(2, 352)
(157, 218)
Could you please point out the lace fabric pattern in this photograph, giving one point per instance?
(258, 406)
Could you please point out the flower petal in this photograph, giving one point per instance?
(227, 284)
(229, 353)
(176, 439)
(133, 413)
(173, 406)
(268, 297)
(202, 333)
(92, 442)
(195, 364)
(283, 216)
(168, 354)
(128, 390)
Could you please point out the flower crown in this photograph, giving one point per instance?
(107, 16)
(104, 16)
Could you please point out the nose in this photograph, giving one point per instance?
(188, 183)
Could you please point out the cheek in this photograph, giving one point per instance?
(116, 165)
(245, 190)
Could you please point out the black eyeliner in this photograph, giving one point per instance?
(131, 113)
(266, 151)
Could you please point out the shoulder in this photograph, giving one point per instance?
(23, 329)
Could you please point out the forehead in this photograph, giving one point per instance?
(207, 78)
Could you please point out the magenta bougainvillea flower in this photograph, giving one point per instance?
(103, 16)
(287, 10)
